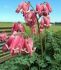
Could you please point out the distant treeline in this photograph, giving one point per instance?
(56, 23)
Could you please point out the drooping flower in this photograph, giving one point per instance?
(49, 7)
(21, 44)
(42, 23)
(3, 36)
(30, 18)
(6, 46)
(18, 26)
(15, 27)
(24, 6)
(29, 45)
(39, 9)
(41, 28)
(34, 29)
(46, 21)
(17, 45)
(21, 27)
(45, 11)
(13, 45)
(9, 41)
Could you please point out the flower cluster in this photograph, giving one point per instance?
(30, 16)
(44, 10)
(23, 7)
(17, 26)
(3, 36)
(18, 44)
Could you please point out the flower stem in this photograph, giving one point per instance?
(40, 35)
(40, 38)
(41, 45)
(45, 40)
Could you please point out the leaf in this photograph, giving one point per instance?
(34, 68)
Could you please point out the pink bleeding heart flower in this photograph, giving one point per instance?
(21, 43)
(21, 27)
(39, 8)
(34, 30)
(4, 48)
(42, 23)
(41, 28)
(18, 26)
(24, 6)
(9, 41)
(30, 18)
(45, 11)
(15, 27)
(46, 21)
(3, 36)
(13, 46)
(14, 33)
(49, 7)
(29, 45)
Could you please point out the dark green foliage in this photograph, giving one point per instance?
(51, 55)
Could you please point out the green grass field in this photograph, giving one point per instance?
(5, 24)
(55, 28)
(52, 28)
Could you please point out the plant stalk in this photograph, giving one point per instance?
(40, 37)
(45, 40)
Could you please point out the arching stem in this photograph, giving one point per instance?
(39, 34)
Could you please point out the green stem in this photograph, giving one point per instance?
(40, 37)
(45, 40)
(32, 6)
(41, 45)
(29, 67)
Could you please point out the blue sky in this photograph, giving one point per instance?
(8, 7)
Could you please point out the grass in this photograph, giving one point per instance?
(5, 24)
(55, 28)
(52, 28)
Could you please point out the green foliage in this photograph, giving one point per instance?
(51, 55)
(21, 62)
